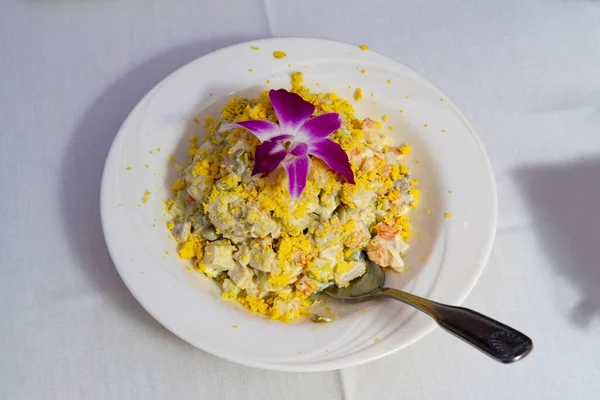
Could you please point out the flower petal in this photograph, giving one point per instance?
(291, 109)
(297, 170)
(320, 126)
(267, 157)
(333, 155)
(263, 130)
(300, 149)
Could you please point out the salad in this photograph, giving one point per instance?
(286, 195)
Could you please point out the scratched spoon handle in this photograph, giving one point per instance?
(499, 341)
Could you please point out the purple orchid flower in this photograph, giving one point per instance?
(296, 137)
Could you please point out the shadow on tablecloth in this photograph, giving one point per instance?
(565, 202)
(84, 161)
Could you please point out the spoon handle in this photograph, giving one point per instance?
(493, 338)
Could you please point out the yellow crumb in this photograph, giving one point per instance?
(234, 326)
(150, 151)
(178, 185)
(171, 225)
(384, 118)
(447, 215)
(450, 191)
(128, 168)
(249, 69)
(166, 253)
(363, 71)
(443, 130)
(376, 340)
(145, 197)
(428, 211)
(425, 125)
(358, 94)
(158, 149)
(401, 111)
(391, 128)
(441, 99)
(364, 47)
(279, 54)
(389, 81)
(268, 81)
(254, 48)
(196, 120)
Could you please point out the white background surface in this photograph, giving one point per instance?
(524, 72)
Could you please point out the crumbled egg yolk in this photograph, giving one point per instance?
(178, 185)
(364, 47)
(145, 196)
(358, 94)
(279, 54)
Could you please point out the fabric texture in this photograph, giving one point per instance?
(525, 73)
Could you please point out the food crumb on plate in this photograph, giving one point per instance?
(363, 71)
(425, 125)
(145, 196)
(389, 81)
(448, 215)
(376, 340)
(249, 69)
(428, 211)
(196, 120)
(254, 48)
(128, 168)
(384, 118)
(443, 130)
(364, 47)
(234, 326)
(279, 54)
(358, 94)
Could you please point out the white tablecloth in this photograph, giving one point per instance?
(527, 75)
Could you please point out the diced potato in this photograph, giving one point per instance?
(354, 270)
(330, 253)
(230, 287)
(219, 255)
(242, 276)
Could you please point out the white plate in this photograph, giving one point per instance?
(447, 254)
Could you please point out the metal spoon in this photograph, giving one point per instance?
(493, 338)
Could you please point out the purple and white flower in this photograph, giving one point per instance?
(295, 138)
